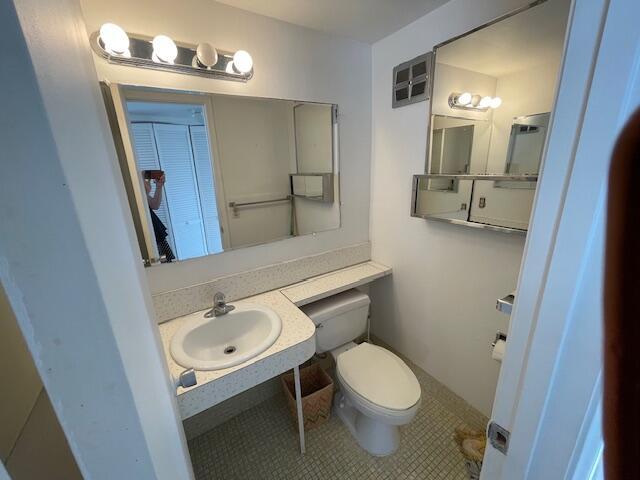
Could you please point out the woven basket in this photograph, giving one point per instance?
(317, 395)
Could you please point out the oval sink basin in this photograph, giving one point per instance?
(221, 342)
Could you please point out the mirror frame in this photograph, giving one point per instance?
(426, 175)
(115, 96)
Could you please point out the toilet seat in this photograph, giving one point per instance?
(379, 379)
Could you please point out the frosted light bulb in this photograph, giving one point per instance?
(464, 98)
(242, 61)
(114, 39)
(164, 49)
(496, 102)
(485, 102)
(206, 55)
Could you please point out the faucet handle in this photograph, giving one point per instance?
(219, 299)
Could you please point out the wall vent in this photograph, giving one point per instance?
(412, 81)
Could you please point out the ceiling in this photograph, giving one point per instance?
(364, 20)
(523, 41)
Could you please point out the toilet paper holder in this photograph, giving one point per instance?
(499, 336)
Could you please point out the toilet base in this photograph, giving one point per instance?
(377, 438)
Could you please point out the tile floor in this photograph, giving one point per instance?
(262, 443)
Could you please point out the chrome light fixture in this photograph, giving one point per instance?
(163, 53)
(473, 102)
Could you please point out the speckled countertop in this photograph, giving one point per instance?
(294, 346)
(332, 283)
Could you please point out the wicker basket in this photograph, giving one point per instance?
(317, 395)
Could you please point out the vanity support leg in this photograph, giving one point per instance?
(296, 378)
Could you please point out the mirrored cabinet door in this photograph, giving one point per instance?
(493, 94)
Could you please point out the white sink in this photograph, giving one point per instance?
(221, 342)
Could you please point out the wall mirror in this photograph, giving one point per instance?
(493, 94)
(206, 173)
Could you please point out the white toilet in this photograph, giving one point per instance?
(378, 391)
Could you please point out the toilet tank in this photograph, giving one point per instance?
(339, 319)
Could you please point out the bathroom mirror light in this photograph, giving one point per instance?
(463, 99)
(114, 39)
(242, 61)
(164, 49)
(469, 101)
(485, 102)
(163, 53)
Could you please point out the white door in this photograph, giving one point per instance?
(183, 199)
(206, 187)
(548, 393)
(144, 144)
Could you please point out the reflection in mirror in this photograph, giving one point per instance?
(170, 141)
(504, 207)
(458, 146)
(312, 186)
(493, 92)
(451, 205)
(206, 173)
(313, 127)
(526, 143)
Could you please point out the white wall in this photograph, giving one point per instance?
(438, 308)
(85, 312)
(290, 62)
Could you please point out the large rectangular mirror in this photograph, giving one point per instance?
(493, 94)
(206, 173)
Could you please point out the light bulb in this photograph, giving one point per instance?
(464, 98)
(114, 39)
(206, 55)
(242, 61)
(485, 102)
(475, 100)
(496, 102)
(164, 49)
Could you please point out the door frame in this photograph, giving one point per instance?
(547, 393)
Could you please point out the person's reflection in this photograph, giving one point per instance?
(160, 230)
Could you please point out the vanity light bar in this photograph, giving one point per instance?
(474, 102)
(161, 52)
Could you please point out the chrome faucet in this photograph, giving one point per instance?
(220, 306)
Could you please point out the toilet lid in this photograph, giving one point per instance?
(379, 376)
